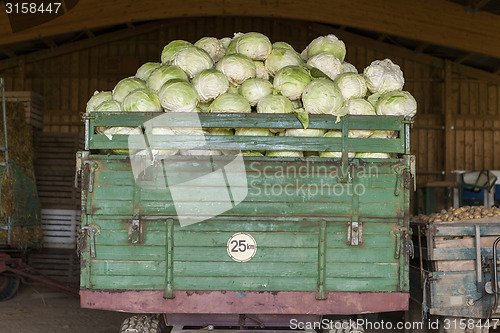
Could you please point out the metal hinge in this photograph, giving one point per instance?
(404, 243)
(354, 233)
(135, 232)
(92, 230)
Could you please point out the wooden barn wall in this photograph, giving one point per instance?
(458, 130)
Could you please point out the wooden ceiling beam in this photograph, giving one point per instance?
(382, 37)
(438, 22)
(477, 4)
(421, 47)
(83, 44)
(49, 42)
(8, 52)
(463, 58)
(89, 33)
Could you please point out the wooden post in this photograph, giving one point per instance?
(448, 111)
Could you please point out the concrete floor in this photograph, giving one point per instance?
(40, 310)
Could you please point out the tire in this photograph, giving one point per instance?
(8, 287)
(141, 324)
(346, 326)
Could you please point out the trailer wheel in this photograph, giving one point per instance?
(346, 326)
(141, 324)
(8, 287)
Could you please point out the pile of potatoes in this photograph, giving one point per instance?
(458, 214)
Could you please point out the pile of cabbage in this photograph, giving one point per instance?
(247, 73)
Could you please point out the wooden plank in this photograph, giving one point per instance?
(463, 242)
(469, 145)
(75, 82)
(455, 265)
(459, 145)
(449, 95)
(493, 99)
(200, 283)
(478, 144)
(496, 143)
(349, 284)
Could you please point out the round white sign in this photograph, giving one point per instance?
(241, 247)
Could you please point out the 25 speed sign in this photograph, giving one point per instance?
(241, 247)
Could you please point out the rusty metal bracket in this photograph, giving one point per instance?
(479, 270)
(135, 232)
(321, 293)
(135, 227)
(399, 170)
(345, 174)
(93, 165)
(404, 244)
(169, 260)
(93, 230)
(354, 227)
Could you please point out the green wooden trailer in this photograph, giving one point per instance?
(452, 273)
(244, 240)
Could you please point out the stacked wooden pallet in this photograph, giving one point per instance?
(33, 106)
(60, 264)
(60, 202)
(55, 169)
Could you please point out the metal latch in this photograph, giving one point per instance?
(135, 234)
(413, 172)
(93, 230)
(404, 243)
(354, 233)
(80, 164)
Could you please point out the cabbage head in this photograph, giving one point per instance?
(170, 50)
(380, 134)
(210, 84)
(305, 132)
(109, 106)
(282, 45)
(125, 86)
(254, 45)
(326, 63)
(397, 103)
(279, 58)
(192, 60)
(261, 70)
(360, 106)
(253, 132)
(348, 68)
(373, 155)
(272, 153)
(326, 44)
(274, 104)
(323, 96)
(230, 102)
(225, 42)
(142, 100)
(334, 154)
(212, 46)
(254, 89)
(178, 96)
(224, 131)
(351, 85)
(290, 81)
(163, 74)
(237, 68)
(383, 76)
(146, 69)
(157, 153)
(97, 99)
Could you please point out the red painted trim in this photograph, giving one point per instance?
(227, 302)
